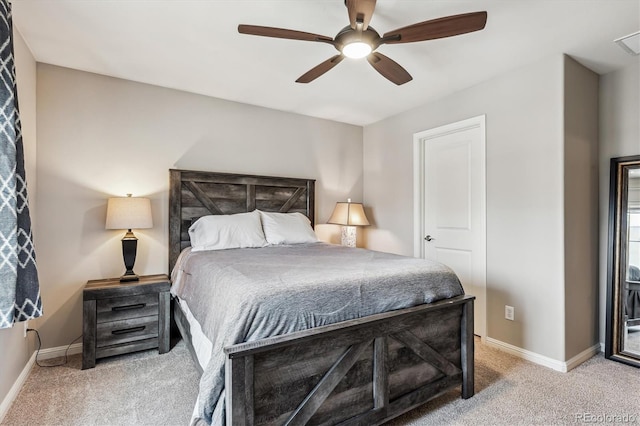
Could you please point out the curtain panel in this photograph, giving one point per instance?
(19, 287)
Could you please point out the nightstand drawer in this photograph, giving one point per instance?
(119, 308)
(125, 331)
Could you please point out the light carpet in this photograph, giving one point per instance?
(151, 389)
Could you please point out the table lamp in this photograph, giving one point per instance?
(129, 213)
(349, 215)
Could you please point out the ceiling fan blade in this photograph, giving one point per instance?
(282, 33)
(320, 69)
(389, 68)
(360, 10)
(437, 28)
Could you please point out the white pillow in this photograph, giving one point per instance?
(219, 232)
(287, 228)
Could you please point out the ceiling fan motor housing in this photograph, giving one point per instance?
(348, 35)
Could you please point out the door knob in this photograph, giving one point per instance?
(429, 238)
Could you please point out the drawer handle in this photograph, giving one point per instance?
(127, 307)
(128, 330)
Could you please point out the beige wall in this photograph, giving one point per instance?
(619, 136)
(100, 136)
(525, 196)
(580, 207)
(15, 351)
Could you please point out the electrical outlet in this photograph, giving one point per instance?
(509, 312)
(24, 332)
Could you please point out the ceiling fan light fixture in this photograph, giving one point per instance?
(356, 49)
(359, 39)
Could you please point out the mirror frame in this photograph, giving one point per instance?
(616, 251)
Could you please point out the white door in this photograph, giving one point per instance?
(450, 211)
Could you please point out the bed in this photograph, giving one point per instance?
(361, 368)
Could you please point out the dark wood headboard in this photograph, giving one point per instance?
(193, 194)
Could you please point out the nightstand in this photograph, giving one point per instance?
(122, 317)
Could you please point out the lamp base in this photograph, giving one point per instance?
(129, 277)
(348, 234)
(129, 248)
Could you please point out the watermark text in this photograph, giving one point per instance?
(606, 418)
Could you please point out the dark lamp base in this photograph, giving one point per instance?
(129, 247)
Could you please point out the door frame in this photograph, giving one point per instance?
(419, 140)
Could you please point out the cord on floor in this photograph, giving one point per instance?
(40, 346)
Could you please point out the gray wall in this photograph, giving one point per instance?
(15, 351)
(619, 136)
(525, 195)
(580, 207)
(100, 137)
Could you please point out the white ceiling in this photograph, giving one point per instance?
(193, 45)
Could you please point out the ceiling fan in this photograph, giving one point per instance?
(358, 39)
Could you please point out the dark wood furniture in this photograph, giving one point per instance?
(122, 317)
(360, 372)
(194, 194)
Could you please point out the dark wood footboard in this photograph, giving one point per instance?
(359, 372)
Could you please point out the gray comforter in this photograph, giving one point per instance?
(241, 295)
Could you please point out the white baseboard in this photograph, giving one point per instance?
(59, 351)
(582, 357)
(562, 366)
(17, 385)
(48, 353)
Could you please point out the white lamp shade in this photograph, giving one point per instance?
(129, 213)
(349, 214)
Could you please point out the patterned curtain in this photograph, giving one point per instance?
(19, 288)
